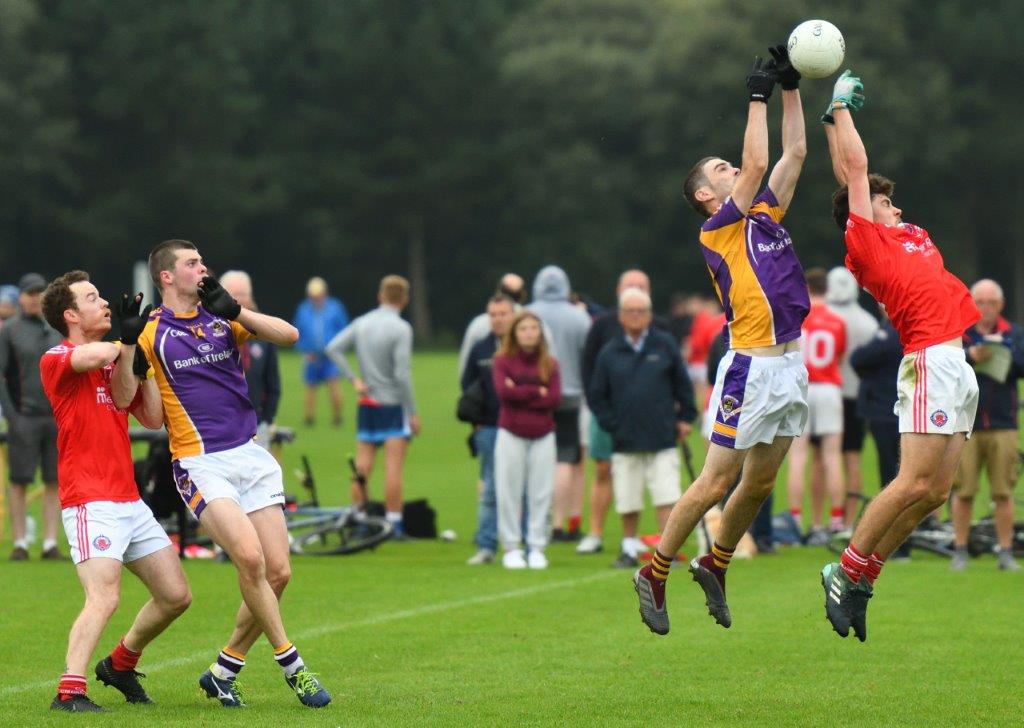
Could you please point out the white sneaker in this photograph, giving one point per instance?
(483, 556)
(537, 559)
(590, 545)
(513, 559)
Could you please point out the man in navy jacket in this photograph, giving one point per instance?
(641, 395)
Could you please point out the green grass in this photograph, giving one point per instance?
(408, 635)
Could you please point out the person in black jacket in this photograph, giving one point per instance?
(877, 363)
(994, 442)
(605, 329)
(641, 395)
(477, 372)
(259, 361)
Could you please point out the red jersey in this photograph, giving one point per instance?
(901, 267)
(705, 329)
(94, 455)
(823, 344)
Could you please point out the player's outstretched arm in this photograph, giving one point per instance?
(838, 169)
(94, 355)
(760, 82)
(794, 136)
(269, 328)
(847, 96)
(150, 413)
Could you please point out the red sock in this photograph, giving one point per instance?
(71, 685)
(837, 517)
(874, 567)
(854, 563)
(122, 659)
(574, 523)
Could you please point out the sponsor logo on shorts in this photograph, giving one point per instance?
(101, 542)
(939, 418)
(278, 494)
(729, 406)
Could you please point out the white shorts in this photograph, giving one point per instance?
(758, 398)
(634, 471)
(825, 409)
(937, 392)
(122, 531)
(247, 474)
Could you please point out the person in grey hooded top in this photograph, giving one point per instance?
(568, 326)
(860, 329)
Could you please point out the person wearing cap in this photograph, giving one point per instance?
(32, 431)
(319, 319)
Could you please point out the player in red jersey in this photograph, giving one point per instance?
(823, 343)
(930, 308)
(106, 522)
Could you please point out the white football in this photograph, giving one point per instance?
(816, 48)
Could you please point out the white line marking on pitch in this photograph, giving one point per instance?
(341, 627)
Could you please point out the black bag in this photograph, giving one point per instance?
(472, 405)
(419, 520)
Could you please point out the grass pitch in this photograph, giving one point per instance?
(409, 635)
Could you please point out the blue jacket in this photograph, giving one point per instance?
(638, 397)
(318, 326)
(997, 401)
(479, 366)
(877, 363)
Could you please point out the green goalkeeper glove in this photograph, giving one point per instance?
(846, 94)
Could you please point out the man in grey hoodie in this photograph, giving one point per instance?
(568, 325)
(860, 329)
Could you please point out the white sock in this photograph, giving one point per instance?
(629, 547)
(21, 544)
(394, 516)
(49, 543)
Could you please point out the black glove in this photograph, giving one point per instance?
(130, 319)
(140, 365)
(789, 77)
(761, 79)
(216, 300)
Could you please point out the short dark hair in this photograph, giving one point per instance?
(693, 182)
(58, 298)
(501, 298)
(817, 281)
(877, 184)
(163, 257)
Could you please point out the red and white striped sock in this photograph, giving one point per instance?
(837, 519)
(854, 563)
(874, 567)
(71, 685)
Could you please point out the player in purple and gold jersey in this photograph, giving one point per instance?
(759, 399)
(228, 481)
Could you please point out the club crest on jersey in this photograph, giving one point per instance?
(218, 329)
(101, 542)
(939, 418)
(729, 406)
(197, 331)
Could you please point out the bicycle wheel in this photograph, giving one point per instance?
(839, 540)
(937, 541)
(346, 536)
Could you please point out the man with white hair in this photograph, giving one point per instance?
(259, 361)
(995, 349)
(642, 396)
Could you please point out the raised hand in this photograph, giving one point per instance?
(216, 300)
(761, 79)
(846, 94)
(130, 318)
(789, 77)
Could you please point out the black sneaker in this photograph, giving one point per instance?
(308, 689)
(714, 591)
(846, 603)
(127, 681)
(625, 561)
(76, 704)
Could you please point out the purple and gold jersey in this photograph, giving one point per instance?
(756, 273)
(198, 369)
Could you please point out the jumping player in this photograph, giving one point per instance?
(106, 522)
(231, 484)
(761, 388)
(930, 308)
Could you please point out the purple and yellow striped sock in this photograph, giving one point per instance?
(660, 565)
(229, 663)
(721, 556)
(288, 659)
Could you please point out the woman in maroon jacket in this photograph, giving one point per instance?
(529, 389)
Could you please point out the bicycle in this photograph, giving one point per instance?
(317, 531)
(931, 535)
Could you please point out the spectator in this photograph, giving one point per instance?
(387, 409)
(707, 323)
(641, 394)
(510, 285)
(528, 385)
(259, 361)
(319, 319)
(605, 329)
(877, 364)
(8, 302)
(569, 327)
(995, 348)
(823, 342)
(860, 328)
(32, 431)
(680, 318)
(479, 368)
